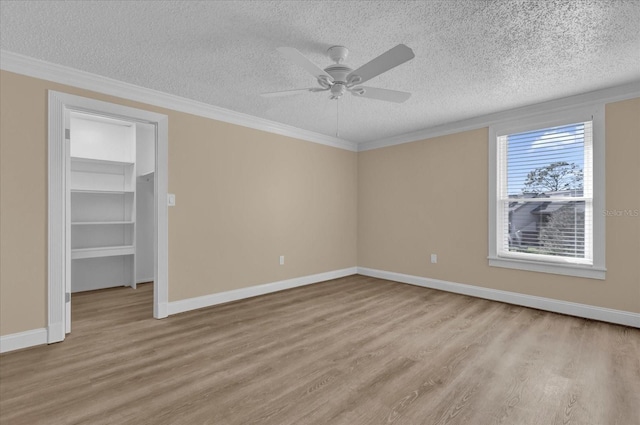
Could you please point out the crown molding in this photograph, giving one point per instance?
(608, 95)
(31, 67)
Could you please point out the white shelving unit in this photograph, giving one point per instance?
(102, 203)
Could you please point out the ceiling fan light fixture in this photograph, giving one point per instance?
(337, 90)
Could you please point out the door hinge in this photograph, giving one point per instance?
(67, 297)
(67, 133)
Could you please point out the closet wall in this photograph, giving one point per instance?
(145, 184)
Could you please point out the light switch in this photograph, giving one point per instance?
(171, 199)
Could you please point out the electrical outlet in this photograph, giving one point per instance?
(434, 258)
(282, 260)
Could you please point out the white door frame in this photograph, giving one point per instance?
(59, 250)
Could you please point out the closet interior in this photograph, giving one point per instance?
(111, 200)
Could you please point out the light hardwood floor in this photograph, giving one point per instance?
(350, 351)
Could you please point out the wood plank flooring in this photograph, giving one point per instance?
(350, 351)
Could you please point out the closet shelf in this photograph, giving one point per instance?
(78, 159)
(101, 192)
(102, 203)
(92, 223)
(104, 251)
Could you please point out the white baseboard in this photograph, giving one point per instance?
(557, 306)
(162, 312)
(25, 339)
(181, 306)
(150, 279)
(34, 337)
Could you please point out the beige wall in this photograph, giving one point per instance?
(244, 197)
(431, 197)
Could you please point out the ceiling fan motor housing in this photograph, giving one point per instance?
(338, 72)
(341, 83)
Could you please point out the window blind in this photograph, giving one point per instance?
(545, 194)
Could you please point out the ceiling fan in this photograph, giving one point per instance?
(339, 78)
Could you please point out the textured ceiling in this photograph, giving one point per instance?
(472, 57)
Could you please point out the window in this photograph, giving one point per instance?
(547, 182)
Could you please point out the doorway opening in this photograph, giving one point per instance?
(102, 156)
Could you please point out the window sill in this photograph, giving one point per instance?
(589, 272)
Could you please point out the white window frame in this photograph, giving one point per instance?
(551, 118)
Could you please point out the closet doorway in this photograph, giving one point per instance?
(107, 203)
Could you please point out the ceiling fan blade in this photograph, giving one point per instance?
(386, 61)
(299, 59)
(381, 94)
(291, 92)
